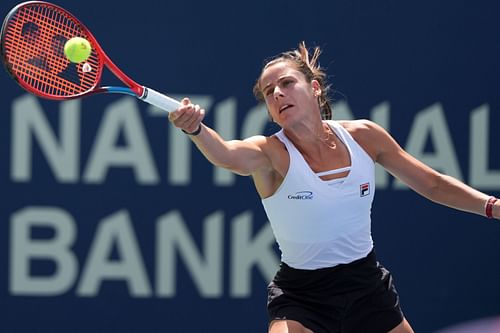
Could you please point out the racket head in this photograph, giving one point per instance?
(32, 49)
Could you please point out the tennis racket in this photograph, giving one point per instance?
(32, 49)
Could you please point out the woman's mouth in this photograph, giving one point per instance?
(284, 107)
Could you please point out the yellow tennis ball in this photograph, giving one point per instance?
(77, 49)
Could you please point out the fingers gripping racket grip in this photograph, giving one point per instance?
(157, 99)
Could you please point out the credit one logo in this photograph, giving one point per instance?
(302, 195)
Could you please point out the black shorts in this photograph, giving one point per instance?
(357, 297)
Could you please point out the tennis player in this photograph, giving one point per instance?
(316, 180)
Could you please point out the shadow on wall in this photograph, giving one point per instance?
(486, 325)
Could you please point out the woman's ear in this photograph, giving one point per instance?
(316, 88)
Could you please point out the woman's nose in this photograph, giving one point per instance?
(277, 92)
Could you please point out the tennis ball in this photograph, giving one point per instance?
(77, 49)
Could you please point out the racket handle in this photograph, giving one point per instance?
(158, 99)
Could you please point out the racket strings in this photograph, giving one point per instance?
(34, 47)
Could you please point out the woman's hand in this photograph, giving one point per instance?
(187, 117)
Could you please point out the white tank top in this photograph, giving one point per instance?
(320, 223)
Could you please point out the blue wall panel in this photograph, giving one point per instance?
(136, 232)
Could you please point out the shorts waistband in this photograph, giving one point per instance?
(359, 274)
(370, 258)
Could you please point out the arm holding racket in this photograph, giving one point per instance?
(244, 157)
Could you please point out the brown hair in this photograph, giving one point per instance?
(308, 66)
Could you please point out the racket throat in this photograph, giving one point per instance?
(141, 92)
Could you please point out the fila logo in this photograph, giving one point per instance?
(364, 189)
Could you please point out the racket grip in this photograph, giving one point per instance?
(159, 100)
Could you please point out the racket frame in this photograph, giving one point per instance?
(132, 88)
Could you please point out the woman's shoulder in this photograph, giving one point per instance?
(358, 125)
(262, 139)
(360, 128)
(368, 134)
(266, 143)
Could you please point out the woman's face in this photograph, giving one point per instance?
(288, 95)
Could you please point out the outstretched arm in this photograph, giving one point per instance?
(423, 179)
(243, 157)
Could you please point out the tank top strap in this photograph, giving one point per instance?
(333, 172)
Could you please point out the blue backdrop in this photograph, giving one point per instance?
(111, 221)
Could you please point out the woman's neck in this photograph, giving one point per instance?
(314, 139)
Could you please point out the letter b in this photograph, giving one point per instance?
(24, 249)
